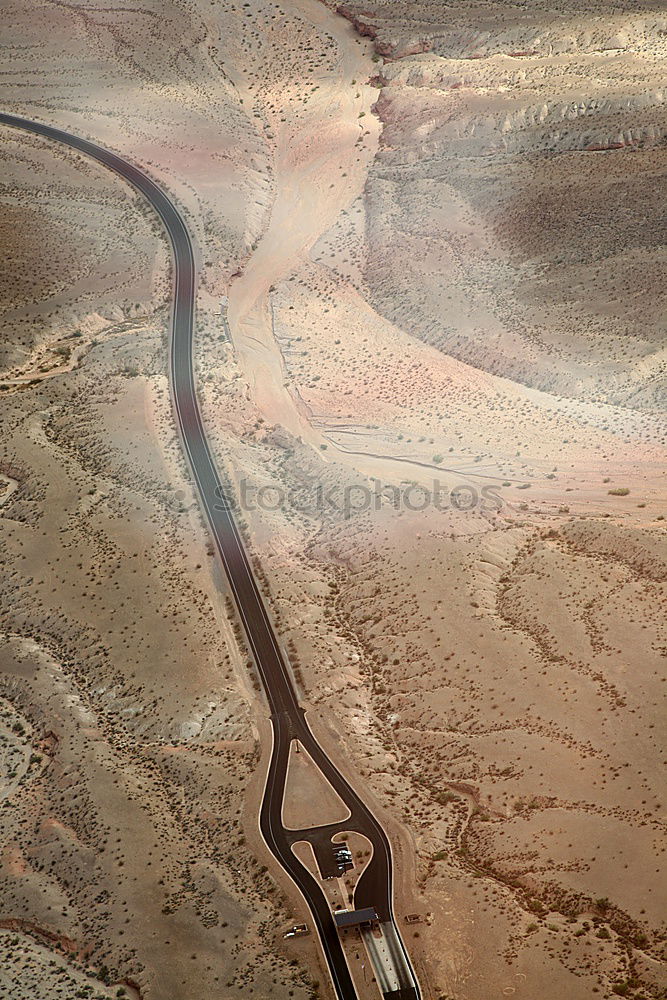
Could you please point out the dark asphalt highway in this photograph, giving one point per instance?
(287, 716)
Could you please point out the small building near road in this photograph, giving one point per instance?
(355, 918)
(299, 930)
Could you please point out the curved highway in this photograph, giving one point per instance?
(287, 717)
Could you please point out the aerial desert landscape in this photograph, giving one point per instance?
(429, 356)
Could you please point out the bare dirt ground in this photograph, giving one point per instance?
(438, 229)
(309, 798)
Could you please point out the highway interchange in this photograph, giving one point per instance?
(288, 720)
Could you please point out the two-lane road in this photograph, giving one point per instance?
(287, 716)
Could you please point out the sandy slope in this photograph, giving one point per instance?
(321, 150)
